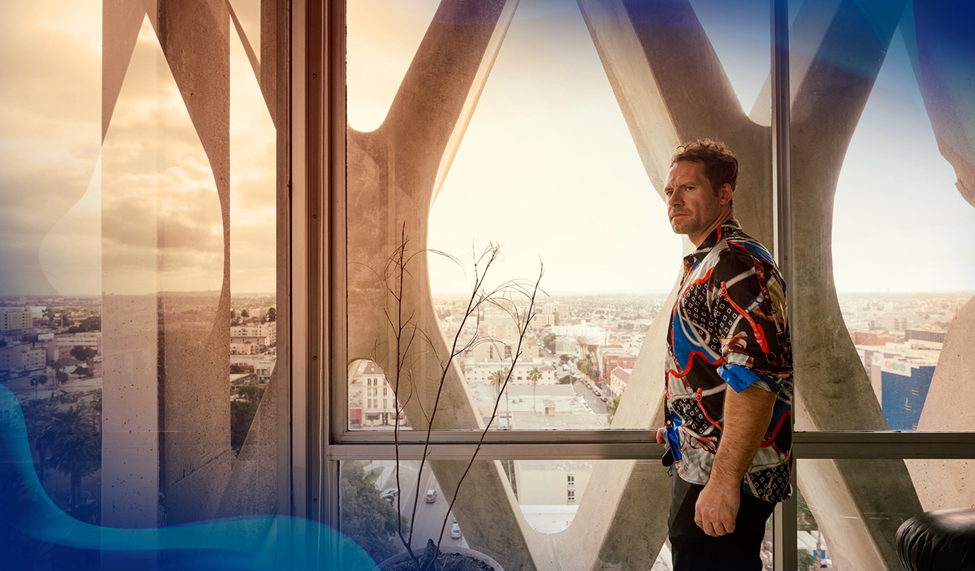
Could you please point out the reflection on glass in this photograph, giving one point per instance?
(899, 302)
(378, 61)
(841, 528)
(128, 242)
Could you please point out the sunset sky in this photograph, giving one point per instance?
(547, 167)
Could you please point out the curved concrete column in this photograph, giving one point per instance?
(943, 484)
(190, 337)
(831, 385)
(394, 174)
(942, 53)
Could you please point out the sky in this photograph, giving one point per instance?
(546, 168)
(142, 203)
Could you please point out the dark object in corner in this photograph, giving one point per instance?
(942, 540)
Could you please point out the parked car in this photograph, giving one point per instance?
(455, 531)
(431, 496)
(604, 398)
(389, 495)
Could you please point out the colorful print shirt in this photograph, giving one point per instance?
(729, 328)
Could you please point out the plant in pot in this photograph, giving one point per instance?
(515, 298)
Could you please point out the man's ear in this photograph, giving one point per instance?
(724, 194)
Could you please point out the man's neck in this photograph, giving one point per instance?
(699, 239)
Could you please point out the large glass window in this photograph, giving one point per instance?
(882, 216)
(139, 246)
(516, 135)
(533, 139)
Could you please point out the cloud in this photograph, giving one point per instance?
(49, 126)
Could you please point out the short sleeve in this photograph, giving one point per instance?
(751, 321)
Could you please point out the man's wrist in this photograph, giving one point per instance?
(722, 482)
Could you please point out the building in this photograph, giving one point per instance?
(552, 482)
(618, 379)
(932, 335)
(372, 402)
(481, 371)
(905, 385)
(15, 318)
(612, 359)
(269, 330)
(21, 358)
(263, 364)
(63, 344)
(872, 337)
(901, 374)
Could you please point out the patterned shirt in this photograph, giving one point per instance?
(729, 328)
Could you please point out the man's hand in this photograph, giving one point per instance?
(746, 417)
(716, 509)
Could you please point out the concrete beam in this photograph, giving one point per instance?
(394, 174)
(942, 51)
(831, 385)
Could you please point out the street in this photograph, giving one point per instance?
(429, 517)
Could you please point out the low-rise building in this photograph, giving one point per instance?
(63, 344)
(256, 329)
(372, 402)
(481, 371)
(611, 358)
(618, 379)
(552, 482)
(263, 364)
(20, 358)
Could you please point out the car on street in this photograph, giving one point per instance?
(604, 398)
(455, 531)
(431, 496)
(389, 495)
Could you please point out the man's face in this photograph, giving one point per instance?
(692, 205)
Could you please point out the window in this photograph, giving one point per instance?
(159, 250)
(820, 306)
(570, 496)
(570, 480)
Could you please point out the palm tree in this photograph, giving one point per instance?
(37, 415)
(37, 380)
(75, 446)
(534, 376)
(497, 381)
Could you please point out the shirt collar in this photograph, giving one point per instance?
(713, 238)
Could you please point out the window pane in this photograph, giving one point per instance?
(549, 133)
(857, 531)
(138, 297)
(536, 497)
(881, 227)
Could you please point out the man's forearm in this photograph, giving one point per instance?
(746, 418)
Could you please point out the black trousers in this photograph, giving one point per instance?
(693, 550)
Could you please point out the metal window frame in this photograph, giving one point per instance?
(320, 438)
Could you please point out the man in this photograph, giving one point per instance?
(729, 330)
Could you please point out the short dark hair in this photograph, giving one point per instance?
(720, 164)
